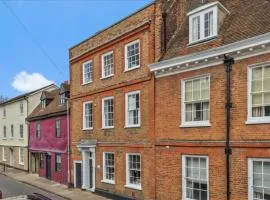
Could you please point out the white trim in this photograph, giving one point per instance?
(126, 61)
(213, 56)
(102, 65)
(126, 110)
(250, 119)
(129, 185)
(75, 171)
(184, 172)
(103, 114)
(4, 154)
(201, 16)
(206, 6)
(21, 162)
(250, 175)
(83, 72)
(89, 128)
(183, 122)
(104, 180)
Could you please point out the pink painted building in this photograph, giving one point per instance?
(48, 136)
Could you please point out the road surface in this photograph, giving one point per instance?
(11, 188)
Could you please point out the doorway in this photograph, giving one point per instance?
(48, 167)
(78, 174)
(11, 161)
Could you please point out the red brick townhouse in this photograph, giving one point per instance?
(112, 110)
(212, 100)
(48, 135)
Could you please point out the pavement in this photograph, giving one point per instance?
(48, 186)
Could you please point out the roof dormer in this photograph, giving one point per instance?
(205, 21)
(45, 99)
(64, 93)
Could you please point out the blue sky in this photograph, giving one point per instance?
(54, 26)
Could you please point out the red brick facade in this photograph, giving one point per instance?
(163, 31)
(119, 140)
(173, 142)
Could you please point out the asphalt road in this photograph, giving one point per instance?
(11, 188)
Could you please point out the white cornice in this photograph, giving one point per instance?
(206, 6)
(239, 50)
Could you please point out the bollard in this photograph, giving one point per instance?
(1, 194)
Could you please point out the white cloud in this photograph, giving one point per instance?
(24, 82)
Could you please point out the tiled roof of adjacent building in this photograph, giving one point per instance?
(25, 95)
(53, 108)
(247, 19)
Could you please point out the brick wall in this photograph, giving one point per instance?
(119, 139)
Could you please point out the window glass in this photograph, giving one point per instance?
(260, 91)
(88, 115)
(133, 109)
(87, 72)
(108, 113)
(132, 55)
(261, 180)
(197, 97)
(134, 169)
(108, 65)
(109, 167)
(196, 182)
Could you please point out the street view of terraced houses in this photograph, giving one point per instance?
(135, 99)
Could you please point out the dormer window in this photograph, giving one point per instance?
(205, 21)
(43, 103)
(63, 98)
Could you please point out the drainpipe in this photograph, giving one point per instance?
(228, 61)
(28, 132)
(68, 143)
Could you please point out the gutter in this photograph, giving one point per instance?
(228, 61)
(254, 46)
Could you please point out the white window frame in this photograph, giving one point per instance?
(4, 154)
(63, 98)
(84, 122)
(83, 72)
(12, 131)
(126, 109)
(126, 55)
(103, 65)
(201, 14)
(21, 159)
(250, 175)
(58, 123)
(103, 112)
(184, 174)
(128, 184)
(4, 132)
(104, 169)
(21, 107)
(56, 162)
(4, 112)
(183, 110)
(250, 119)
(38, 130)
(21, 129)
(43, 103)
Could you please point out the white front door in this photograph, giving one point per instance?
(89, 169)
(11, 161)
